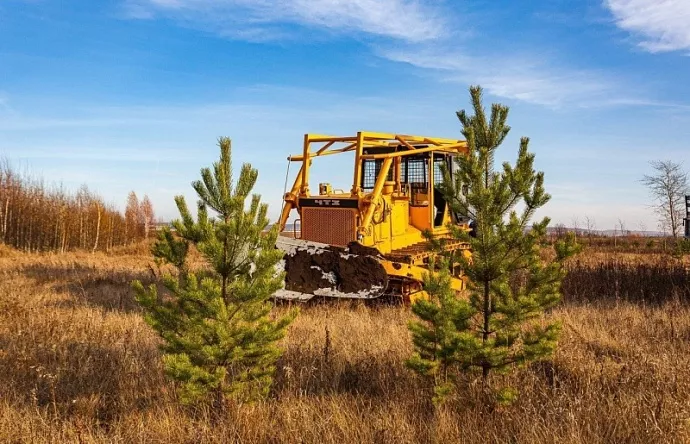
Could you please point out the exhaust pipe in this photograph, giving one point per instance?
(686, 221)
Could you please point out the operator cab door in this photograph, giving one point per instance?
(422, 175)
(421, 178)
(441, 162)
(414, 178)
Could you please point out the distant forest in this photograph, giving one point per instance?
(36, 217)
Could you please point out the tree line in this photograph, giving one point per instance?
(35, 217)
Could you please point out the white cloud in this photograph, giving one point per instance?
(532, 80)
(416, 32)
(662, 25)
(407, 20)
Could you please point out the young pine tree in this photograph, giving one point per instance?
(509, 285)
(219, 339)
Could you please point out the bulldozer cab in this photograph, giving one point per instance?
(395, 194)
(414, 179)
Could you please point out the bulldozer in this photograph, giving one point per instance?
(373, 240)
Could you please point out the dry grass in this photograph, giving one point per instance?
(647, 283)
(78, 364)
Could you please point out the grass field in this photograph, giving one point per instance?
(78, 364)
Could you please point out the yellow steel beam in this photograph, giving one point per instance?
(410, 138)
(325, 153)
(304, 189)
(370, 136)
(321, 138)
(452, 149)
(432, 142)
(401, 153)
(375, 194)
(325, 147)
(358, 169)
(404, 142)
(377, 136)
(438, 140)
(289, 200)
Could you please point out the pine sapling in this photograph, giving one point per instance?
(220, 340)
(499, 323)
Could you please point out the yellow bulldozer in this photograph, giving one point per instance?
(369, 242)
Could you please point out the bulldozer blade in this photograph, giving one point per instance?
(316, 269)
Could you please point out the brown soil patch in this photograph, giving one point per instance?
(335, 268)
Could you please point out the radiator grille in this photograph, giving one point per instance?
(334, 226)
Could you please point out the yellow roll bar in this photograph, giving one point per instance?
(325, 145)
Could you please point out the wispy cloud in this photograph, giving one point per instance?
(414, 32)
(530, 79)
(407, 20)
(661, 25)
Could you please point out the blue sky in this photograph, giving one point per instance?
(132, 94)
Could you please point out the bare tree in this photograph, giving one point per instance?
(621, 225)
(618, 228)
(668, 185)
(98, 226)
(146, 215)
(132, 217)
(591, 225)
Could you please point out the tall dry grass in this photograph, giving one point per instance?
(615, 280)
(78, 364)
